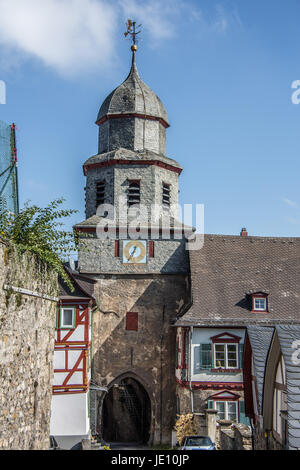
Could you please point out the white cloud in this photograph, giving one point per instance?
(224, 19)
(158, 17)
(68, 35)
(289, 202)
(76, 36)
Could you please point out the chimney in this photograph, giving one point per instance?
(244, 232)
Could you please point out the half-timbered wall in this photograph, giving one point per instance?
(71, 357)
(70, 401)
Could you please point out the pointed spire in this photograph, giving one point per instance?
(133, 70)
(133, 33)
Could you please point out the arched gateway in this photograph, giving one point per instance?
(126, 413)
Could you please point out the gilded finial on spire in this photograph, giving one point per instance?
(131, 31)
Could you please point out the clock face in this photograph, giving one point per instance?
(134, 252)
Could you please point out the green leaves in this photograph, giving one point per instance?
(40, 231)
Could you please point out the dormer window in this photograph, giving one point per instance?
(134, 192)
(259, 302)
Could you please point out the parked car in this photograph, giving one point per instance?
(198, 443)
(53, 444)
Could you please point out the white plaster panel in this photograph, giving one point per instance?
(59, 378)
(73, 356)
(59, 360)
(78, 334)
(76, 379)
(69, 415)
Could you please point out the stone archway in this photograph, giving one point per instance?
(126, 412)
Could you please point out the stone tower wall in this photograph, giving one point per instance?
(132, 133)
(117, 182)
(147, 355)
(94, 176)
(98, 257)
(27, 326)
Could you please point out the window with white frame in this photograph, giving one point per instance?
(67, 317)
(227, 410)
(260, 303)
(226, 356)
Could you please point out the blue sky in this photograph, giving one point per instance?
(223, 70)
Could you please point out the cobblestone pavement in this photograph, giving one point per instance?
(128, 446)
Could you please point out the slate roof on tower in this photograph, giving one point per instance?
(228, 269)
(133, 96)
(124, 154)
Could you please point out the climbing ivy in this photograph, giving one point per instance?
(40, 231)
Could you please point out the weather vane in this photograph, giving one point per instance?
(131, 31)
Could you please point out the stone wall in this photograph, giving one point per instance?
(225, 439)
(183, 395)
(26, 352)
(234, 437)
(266, 441)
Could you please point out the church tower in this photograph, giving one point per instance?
(142, 279)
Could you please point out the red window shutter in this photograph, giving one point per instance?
(132, 321)
(151, 249)
(117, 248)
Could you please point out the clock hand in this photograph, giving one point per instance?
(132, 253)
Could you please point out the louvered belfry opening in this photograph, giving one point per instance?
(100, 193)
(134, 192)
(166, 196)
(127, 413)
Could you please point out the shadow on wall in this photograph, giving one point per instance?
(148, 351)
(126, 413)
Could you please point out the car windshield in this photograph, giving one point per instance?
(198, 441)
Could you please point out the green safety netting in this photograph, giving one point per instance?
(8, 168)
